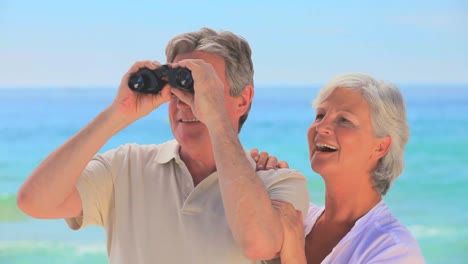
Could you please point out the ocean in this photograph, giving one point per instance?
(429, 197)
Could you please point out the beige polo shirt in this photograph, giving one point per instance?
(143, 195)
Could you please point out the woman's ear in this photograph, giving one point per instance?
(382, 147)
(245, 99)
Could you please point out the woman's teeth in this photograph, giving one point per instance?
(189, 120)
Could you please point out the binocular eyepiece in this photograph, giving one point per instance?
(152, 81)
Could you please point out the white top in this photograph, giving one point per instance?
(143, 195)
(377, 237)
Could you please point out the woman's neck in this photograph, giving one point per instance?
(347, 202)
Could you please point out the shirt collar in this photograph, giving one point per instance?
(380, 210)
(167, 152)
(170, 150)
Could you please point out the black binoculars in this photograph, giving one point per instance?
(152, 81)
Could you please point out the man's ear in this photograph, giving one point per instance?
(382, 146)
(245, 99)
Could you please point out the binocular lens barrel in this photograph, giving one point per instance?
(184, 78)
(152, 81)
(136, 82)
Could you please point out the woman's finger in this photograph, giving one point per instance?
(254, 154)
(262, 160)
(271, 162)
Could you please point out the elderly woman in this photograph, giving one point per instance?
(356, 144)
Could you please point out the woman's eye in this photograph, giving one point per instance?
(319, 116)
(343, 120)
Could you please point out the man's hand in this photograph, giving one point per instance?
(207, 103)
(130, 105)
(265, 161)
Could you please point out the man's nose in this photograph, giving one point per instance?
(181, 105)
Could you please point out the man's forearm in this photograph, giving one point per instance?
(52, 182)
(248, 208)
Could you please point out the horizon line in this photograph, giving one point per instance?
(259, 85)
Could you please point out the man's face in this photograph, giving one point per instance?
(187, 129)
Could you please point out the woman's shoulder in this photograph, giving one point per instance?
(379, 222)
(383, 222)
(381, 233)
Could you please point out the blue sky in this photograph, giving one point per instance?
(92, 43)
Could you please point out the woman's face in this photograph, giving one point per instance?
(341, 139)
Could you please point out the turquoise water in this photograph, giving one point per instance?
(429, 198)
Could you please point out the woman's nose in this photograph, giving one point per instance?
(324, 126)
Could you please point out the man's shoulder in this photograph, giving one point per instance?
(282, 172)
(278, 175)
(140, 151)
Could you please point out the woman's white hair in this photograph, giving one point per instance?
(388, 117)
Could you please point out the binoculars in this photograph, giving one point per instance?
(152, 81)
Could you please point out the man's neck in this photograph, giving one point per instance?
(200, 164)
